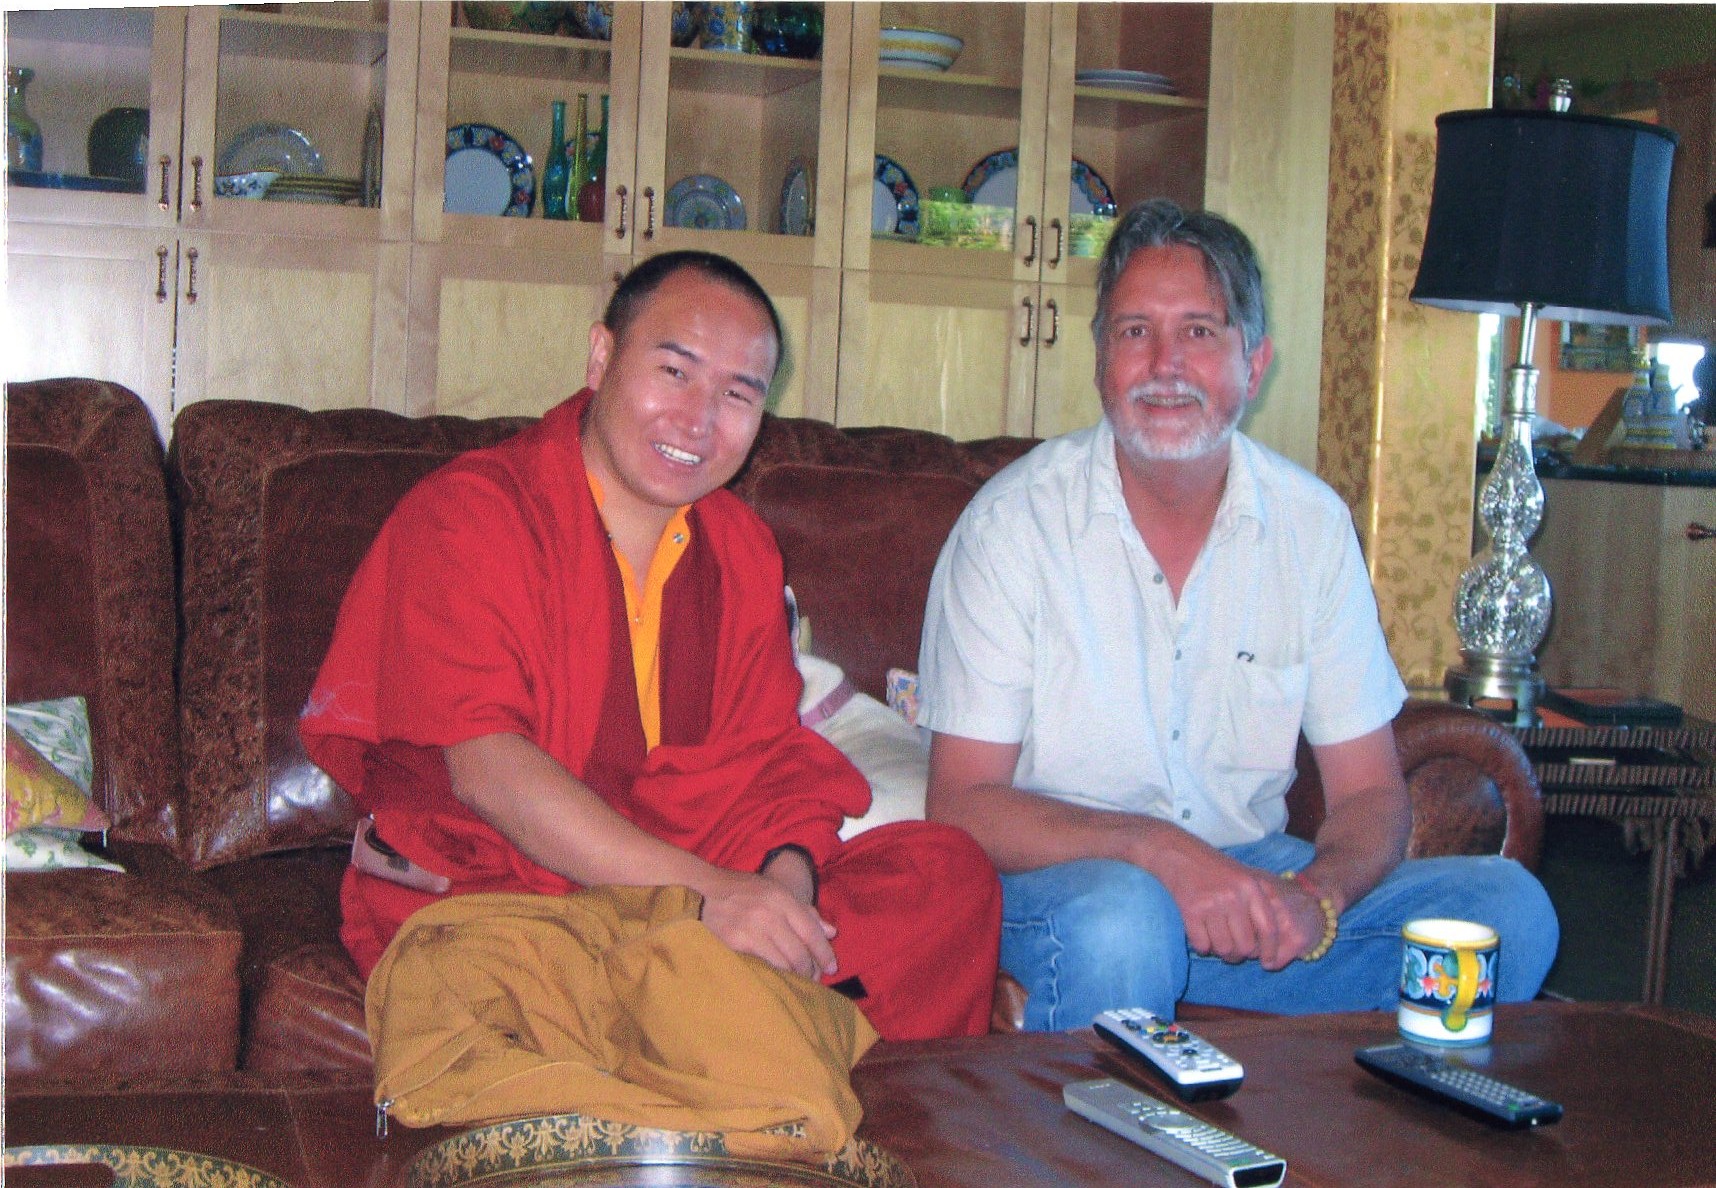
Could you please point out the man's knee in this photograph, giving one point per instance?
(1110, 909)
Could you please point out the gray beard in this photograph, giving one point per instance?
(1142, 446)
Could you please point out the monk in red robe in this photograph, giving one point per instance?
(565, 663)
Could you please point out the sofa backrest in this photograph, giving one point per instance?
(860, 516)
(89, 586)
(277, 505)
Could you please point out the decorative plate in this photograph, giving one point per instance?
(270, 146)
(245, 185)
(145, 1167)
(1127, 80)
(564, 1150)
(994, 181)
(894, 201)
(798, 204)
(487, 173)
(36, 179)
(705, 203)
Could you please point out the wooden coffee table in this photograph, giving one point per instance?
(987, 1113)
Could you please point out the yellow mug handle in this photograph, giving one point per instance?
(1466, 989)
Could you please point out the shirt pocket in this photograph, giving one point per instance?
(1265, 707)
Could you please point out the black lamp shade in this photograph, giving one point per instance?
(1568, 212)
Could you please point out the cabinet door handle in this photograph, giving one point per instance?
(196, 183)
(191, 276)
(620, 227)
(1054, 311)
(1030, 322)
(1697, 531)
(161, 275)
(1031, 252)
(649, 212)
(1060, 242)
(165, 200)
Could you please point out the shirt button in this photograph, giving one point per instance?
(1185, 814)
(1157, 579)
(1176, 736)
(1176, 653)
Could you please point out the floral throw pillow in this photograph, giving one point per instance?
(38, 793)
(49, 769)
(48, 848)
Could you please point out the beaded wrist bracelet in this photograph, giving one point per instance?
(1331, 922)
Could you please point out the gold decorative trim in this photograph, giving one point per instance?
(593, 1150)
(146, 1167)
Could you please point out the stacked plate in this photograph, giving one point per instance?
(304, 187)
(1127, 80)
(919, 49)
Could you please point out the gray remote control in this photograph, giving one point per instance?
(1193, 1068)
(1202, 1149)
(1433, 1075)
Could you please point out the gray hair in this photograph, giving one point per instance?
(1229, 259)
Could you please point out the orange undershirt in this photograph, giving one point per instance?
(643, 611)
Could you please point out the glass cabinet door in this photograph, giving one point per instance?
(489, 77)
(945, 155)
(102, 87)
(290, 110)
(740, 152)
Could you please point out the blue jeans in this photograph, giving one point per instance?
(1089, 935)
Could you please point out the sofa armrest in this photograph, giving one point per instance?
(1473, 788)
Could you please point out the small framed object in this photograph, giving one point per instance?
(1588, 347)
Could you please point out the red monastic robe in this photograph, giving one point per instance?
(491, 603)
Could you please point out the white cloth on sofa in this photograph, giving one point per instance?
(887, 749)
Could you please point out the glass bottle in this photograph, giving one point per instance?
(592, 195)
(577, 156)
(23, 134)
(556, 173)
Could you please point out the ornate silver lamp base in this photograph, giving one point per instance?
(1491, 678)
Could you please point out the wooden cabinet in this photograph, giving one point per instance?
(1687, 103)
(976, 342)
(1635, 593)
(175, 290)
(184, 294)
(501, 307)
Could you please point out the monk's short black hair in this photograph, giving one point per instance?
(637, 286)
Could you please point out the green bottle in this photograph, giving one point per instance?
(556, 173)
(592, 194)
(577, 157)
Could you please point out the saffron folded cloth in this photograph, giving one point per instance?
(613, 1002)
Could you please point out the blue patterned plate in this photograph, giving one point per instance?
(487, 173)
(994, 181)
(894, 201)
(703, 202)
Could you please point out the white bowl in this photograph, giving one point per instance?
(245, 185)
(924, 49)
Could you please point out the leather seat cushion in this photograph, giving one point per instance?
(112, 977)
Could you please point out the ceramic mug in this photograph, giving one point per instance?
(1448, 981)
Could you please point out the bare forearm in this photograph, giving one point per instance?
(1023, 831)
(558, 822)
(1360, 841)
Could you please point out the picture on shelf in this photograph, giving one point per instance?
(1588, 347)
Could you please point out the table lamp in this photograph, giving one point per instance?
(1535, 214)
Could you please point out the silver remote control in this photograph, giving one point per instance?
(1202, 1149)
(1194, 1068)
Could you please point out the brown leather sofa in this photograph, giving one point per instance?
(190, 595)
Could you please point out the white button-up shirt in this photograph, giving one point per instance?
(1050, 625)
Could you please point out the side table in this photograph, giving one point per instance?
(1657, 782)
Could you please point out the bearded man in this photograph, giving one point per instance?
(1126, 634)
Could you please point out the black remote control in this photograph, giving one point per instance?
(1435, 1076)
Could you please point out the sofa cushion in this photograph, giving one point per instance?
(303, 998)
(860, 516)
(277, 505)
(89, 586)
(116, 976)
